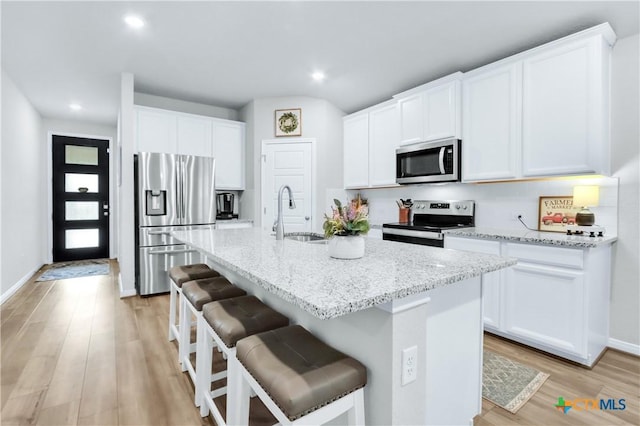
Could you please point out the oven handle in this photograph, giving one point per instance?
(411, 233)
(172, 252)
(441, 159)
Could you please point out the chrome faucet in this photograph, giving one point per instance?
(278, 225)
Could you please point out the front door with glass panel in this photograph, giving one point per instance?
(80, 198)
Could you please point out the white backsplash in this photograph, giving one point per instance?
(497, 204)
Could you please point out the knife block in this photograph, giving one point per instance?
(403, 214)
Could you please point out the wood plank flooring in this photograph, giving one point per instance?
(74, 353)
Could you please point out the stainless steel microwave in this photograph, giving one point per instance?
(428, 162)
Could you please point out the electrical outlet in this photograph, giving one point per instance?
(409, 365)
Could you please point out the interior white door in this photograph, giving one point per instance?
(288, 163)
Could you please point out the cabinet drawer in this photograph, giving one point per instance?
(557, 256)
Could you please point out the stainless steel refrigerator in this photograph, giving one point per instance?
(172, 192)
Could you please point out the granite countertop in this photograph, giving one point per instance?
(533, 237)
(304, 274)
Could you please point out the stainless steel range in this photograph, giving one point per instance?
(429, 218)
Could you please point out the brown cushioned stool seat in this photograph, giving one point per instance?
(183, 273)
(237, 318)
(205, 290)
(298, 371)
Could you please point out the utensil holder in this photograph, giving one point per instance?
(403, 214)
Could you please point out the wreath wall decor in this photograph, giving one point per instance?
(288, 122)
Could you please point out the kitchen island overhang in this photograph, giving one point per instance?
(396, 297)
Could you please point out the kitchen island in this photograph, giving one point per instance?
(398, 297)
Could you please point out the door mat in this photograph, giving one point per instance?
(508, 383)
(76, 269)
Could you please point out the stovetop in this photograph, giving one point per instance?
(421, 227)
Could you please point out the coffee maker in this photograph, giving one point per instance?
(225, 203)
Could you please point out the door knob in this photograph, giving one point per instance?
(307, 218)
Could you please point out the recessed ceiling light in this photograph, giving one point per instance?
(75, 107)
(134, 21)
(318, 76)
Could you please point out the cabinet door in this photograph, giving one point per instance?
(194, 136)
(491, 128)
(156, 131)
(441, 111)
(491, 299)
(383, 141)
(563, 111)
(546, 305)
(411, 119)
(356, 151)
(228, 142)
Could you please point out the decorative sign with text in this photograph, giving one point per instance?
(555, 213)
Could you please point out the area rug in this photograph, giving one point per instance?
(508, 383)
(76, 269)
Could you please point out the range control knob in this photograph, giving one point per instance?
(457, 206)
(464, 207)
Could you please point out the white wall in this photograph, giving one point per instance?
(625, 139)
(23, 189)
(145, 99)
(320, 120)
(82, 129)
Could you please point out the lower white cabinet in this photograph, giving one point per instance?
(555, 299)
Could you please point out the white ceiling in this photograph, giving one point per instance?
(228, 53)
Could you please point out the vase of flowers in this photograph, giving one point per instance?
(345, 229)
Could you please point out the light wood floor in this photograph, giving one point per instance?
(73, 352)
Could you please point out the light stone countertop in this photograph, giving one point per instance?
(532, 237)
(304, 274)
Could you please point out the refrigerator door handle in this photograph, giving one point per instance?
(178, 190)
(184, 187)
(171, 252)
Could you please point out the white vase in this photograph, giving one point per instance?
(347, 247)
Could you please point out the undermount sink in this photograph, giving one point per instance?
(306, 237)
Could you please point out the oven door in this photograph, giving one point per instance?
(425, 238)
(428, 162)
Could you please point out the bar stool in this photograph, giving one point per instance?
(180, 275)
(222, 324)
(300, 379)
(196, 294)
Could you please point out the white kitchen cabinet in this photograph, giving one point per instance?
(383, 141)
(543, 112)
(491, 282)
(228, 150)
(411, 119)
(356, 151)
(156, 131)
(174, 132)
(431, 111)
(565, 109)
(492, 100)
(194, 135)
(555, 299)
(370, 142)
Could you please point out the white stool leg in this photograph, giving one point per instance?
(238, 391)
(172, 310)
(356, 413)
(204, 348)
(184, 342)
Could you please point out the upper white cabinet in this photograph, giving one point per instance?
(356, 150)
(431, 111)
(383, 141)
(370, 142)
(565, 109)
(194, 136)
(490, 148)
(228, 149)
(156, 130)
(173, 132)
(542, 112)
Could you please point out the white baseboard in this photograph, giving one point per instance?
(624, 346)
(7, 294)
(123, 292)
